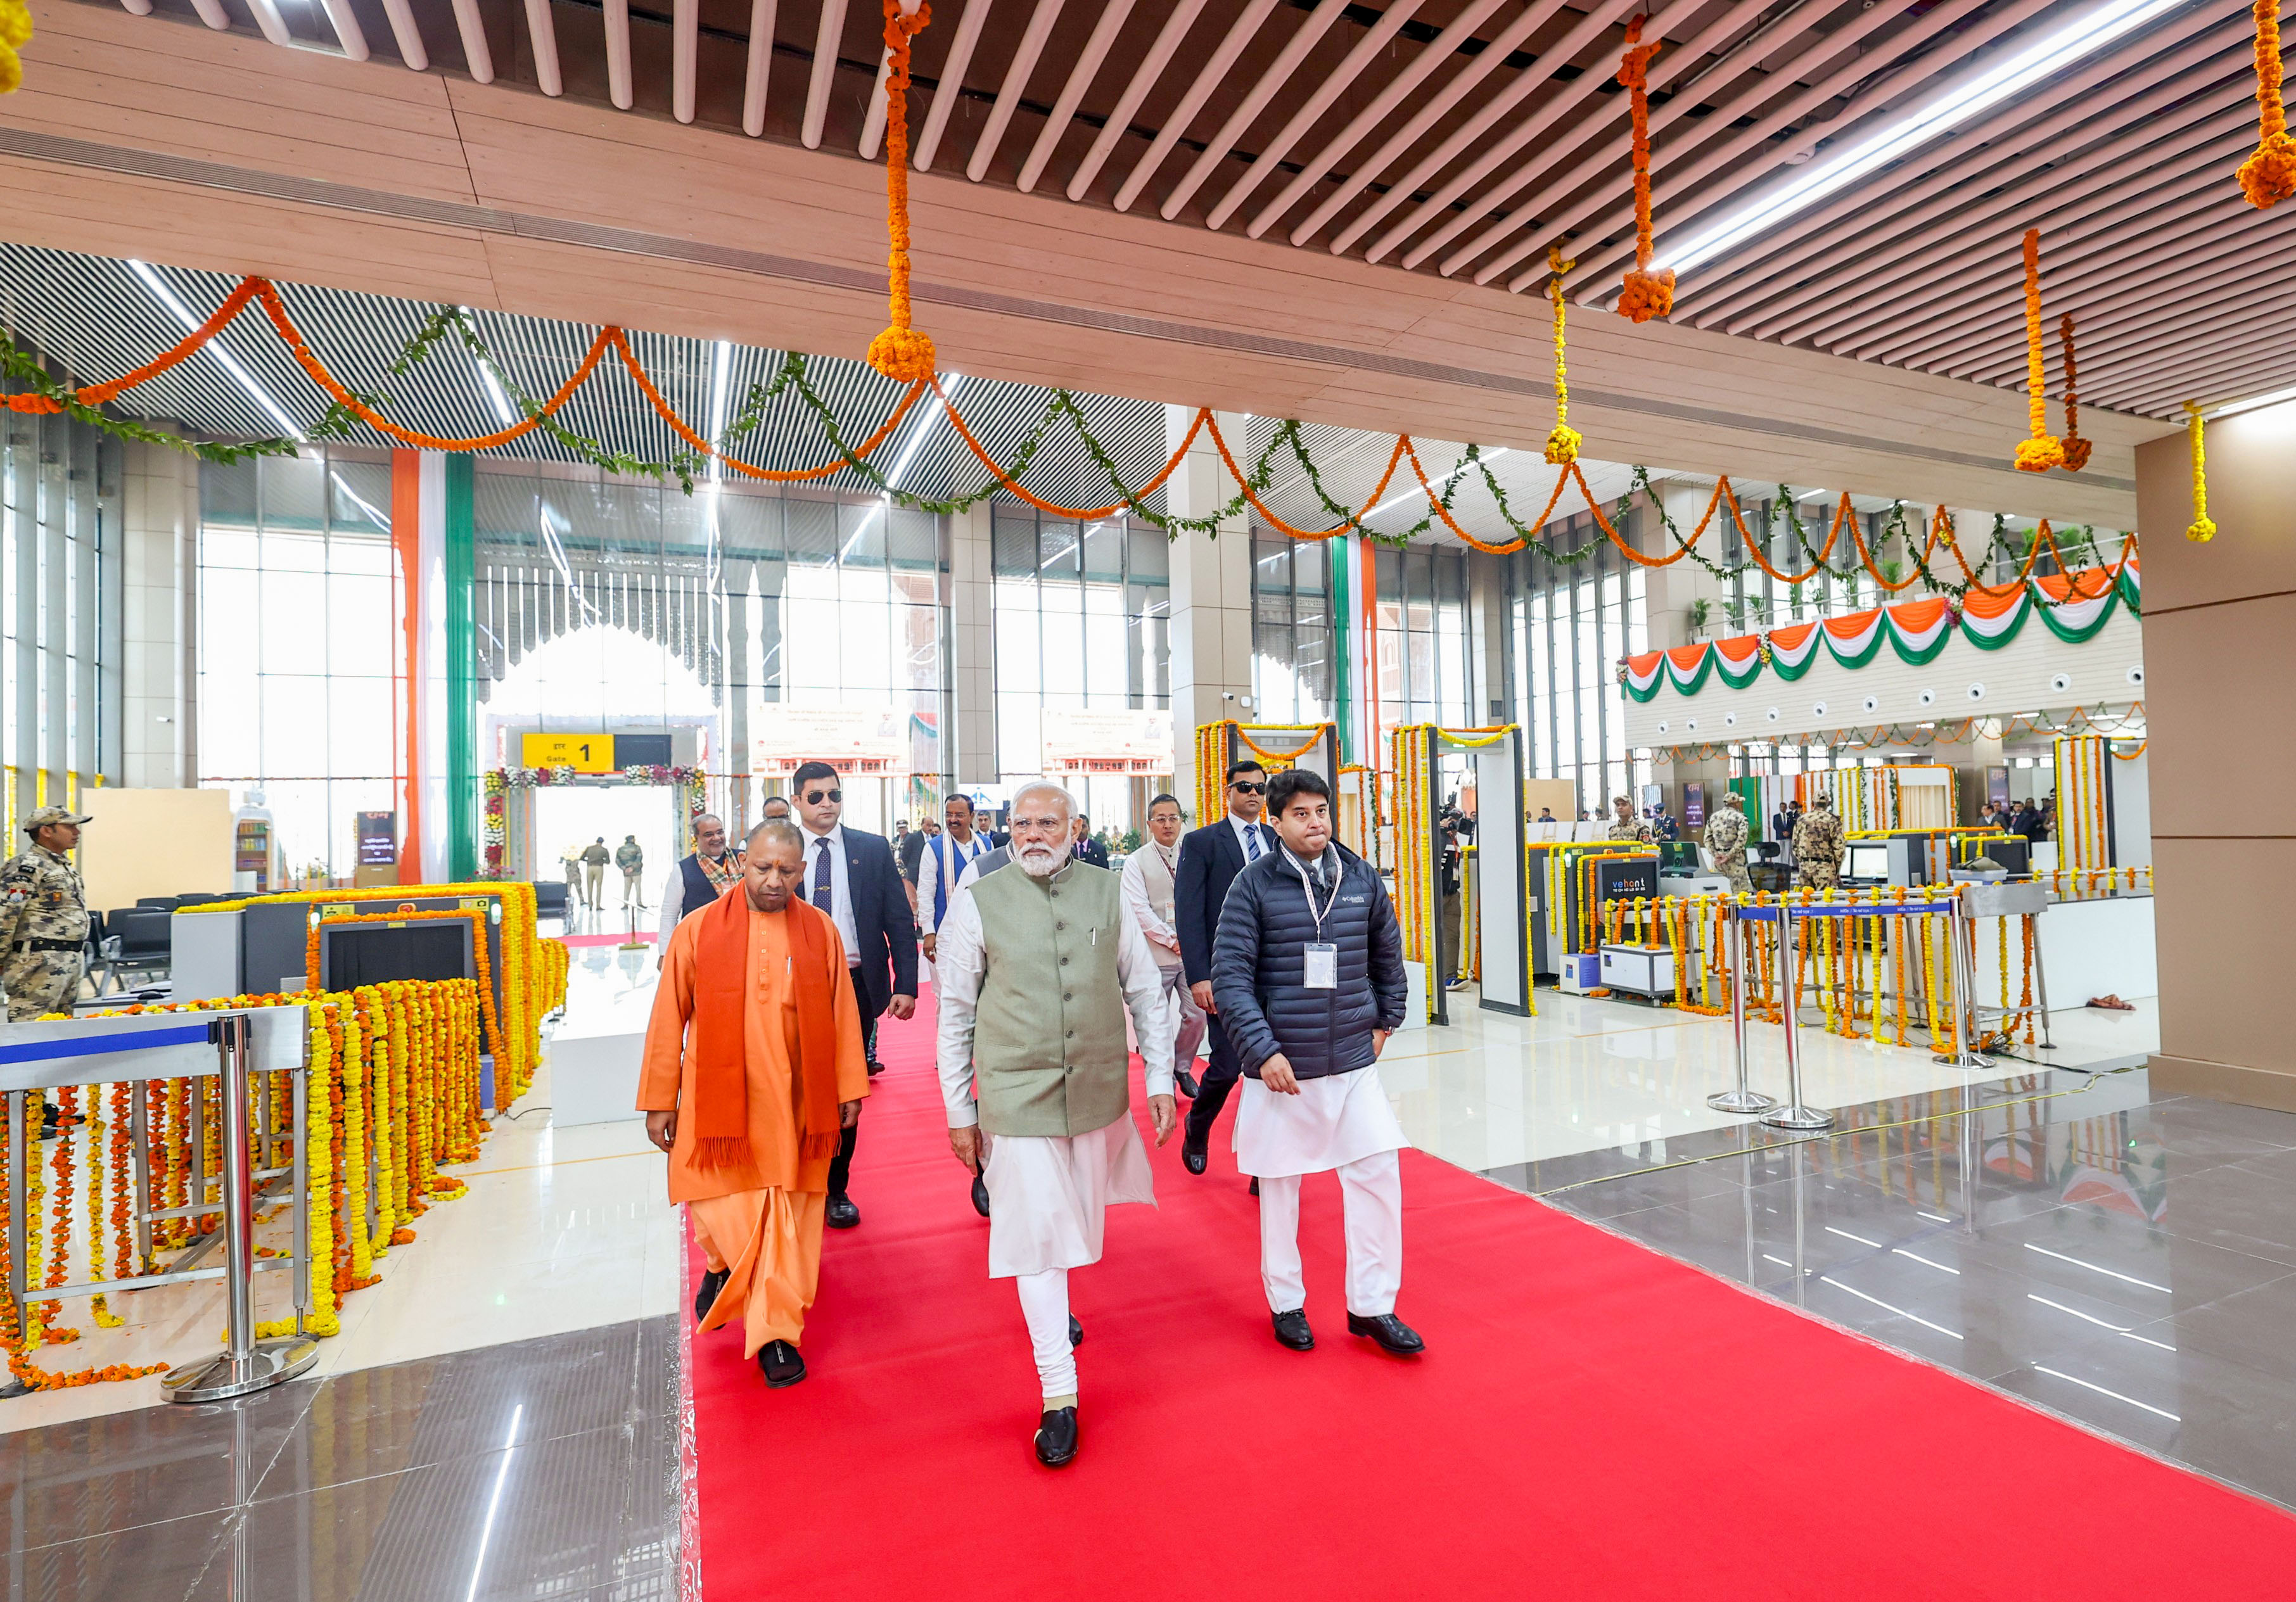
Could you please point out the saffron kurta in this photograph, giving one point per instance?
(762, 1221)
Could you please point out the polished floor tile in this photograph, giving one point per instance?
(538, 1469)
(2121, 1260)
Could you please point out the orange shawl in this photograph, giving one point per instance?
(721, 1080)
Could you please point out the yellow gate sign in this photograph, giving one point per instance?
(584, 753)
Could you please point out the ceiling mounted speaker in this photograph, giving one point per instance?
(1927, 697)
(1977, 692)
(1661, 725)
(1817, 709)
(1729, 720)
(2136, 676)
(2061, 681)
(1871, 703)
(1772, 715)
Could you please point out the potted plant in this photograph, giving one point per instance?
(1700, 611)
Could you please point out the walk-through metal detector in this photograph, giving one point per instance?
(1500, 862)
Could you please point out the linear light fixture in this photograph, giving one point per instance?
(2050, 53)
(721, 364)
(183, 313)
(2231, 408)
(1440, 483)
(494, 395)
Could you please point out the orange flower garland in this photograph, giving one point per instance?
(2269, 175)
(1562, 441)
(900, 352)
(1645, 294)
(2039, 450)
(2074, 447)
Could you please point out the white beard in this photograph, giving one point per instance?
(1039, 862)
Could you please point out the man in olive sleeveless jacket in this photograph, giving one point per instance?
(1035, 969)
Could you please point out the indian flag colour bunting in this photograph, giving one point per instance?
(2074, 607)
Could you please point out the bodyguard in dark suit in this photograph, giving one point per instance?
(852, 877)
(1085, 848)
(1211, 858)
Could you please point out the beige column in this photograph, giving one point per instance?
(2220, 646)
(1211, 595)
(971, 754)
(160, 514)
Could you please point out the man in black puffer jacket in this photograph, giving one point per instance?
(1307, 972)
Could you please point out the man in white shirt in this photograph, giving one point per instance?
(1148, 897)
(1037, 964)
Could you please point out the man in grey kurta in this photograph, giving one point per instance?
(1035, 969)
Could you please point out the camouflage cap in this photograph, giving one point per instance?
(52, 814)
(1823, 799)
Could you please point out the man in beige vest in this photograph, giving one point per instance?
(1035, 966)
(1148, 897)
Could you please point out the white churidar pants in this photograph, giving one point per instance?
(1045, 1305)
(1187, 1015)
(1371, 1192)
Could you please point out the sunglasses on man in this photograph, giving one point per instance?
(1248, 789)
(816, 798)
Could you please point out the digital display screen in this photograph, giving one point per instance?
(1866, 860)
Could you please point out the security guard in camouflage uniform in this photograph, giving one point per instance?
(1625, 825)
(44, 918)
(1818, 847)
(1726, 839)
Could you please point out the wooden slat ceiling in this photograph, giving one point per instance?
(1462, 137)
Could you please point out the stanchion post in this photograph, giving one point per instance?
(1793, 1115)
(246, 1364)
(2040, 981)
(18, 1157)
(300, 1133)
(1961, 930)
(1740, 1099)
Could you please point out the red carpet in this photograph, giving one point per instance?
(1593, 1420)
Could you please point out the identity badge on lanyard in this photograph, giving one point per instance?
(1321, 959)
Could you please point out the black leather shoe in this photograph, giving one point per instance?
(712, 1283)
(1292, 1329)
(842, 1214)
(1255, 1187)
(1195, 1155)
(875, 1067)
(981, 1196)
(1185, 1082)
(1056, 1438)
(1392, 1334)
(1076, 1331)
(781, 1364)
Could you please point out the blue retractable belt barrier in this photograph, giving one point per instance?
(1885, 909)
(106, 1042)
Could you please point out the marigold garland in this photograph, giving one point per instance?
(2202, 528)
(2269, 175)
(1645, 294)
(2074, 447)
(1562, 441)
(2039, 450)
(15, 33)
(901, 353)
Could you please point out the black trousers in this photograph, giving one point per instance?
(840, 1166)
(1222, 1069)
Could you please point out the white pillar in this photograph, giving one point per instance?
(970, 751)
(1211, 592)
(159, 558)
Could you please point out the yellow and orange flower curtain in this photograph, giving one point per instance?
(2269, 175)
(901, 352)
(2084, 805)
(1645, 294)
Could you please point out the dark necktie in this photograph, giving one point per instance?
(822, 894)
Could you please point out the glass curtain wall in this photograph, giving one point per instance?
(1422, 637)
(296, 654)
(1082, 618)
(1291, 633)
(1572, 621)
(598, 601)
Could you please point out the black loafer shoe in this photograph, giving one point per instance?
(712, 1283)
(1195, 1155)
(1292, 1329)
(781, 1364)
(1076, 1331)
(1185, 1083)
(1056, 1438)
(1392, 1334)
(875, 1067)
(842, 1213)
(1254, 1186)
(981, 1196)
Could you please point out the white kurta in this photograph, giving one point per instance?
(1338, 1119)
(1048, 1195)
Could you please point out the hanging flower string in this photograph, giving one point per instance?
(2038, 451)
(2202, 528)
(15, 33)
(1645, 294)
(2074, 447)
(1562, 441)
(901, 352)
(2269, 175)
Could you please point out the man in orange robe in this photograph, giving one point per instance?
(753, 1067)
